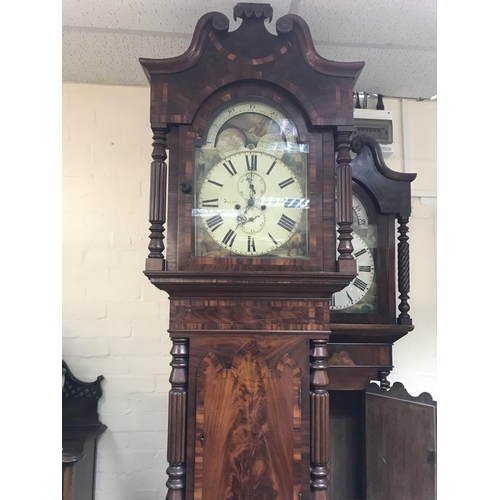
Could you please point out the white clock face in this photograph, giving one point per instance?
(359, 286)
(251, 185)
(251, 203)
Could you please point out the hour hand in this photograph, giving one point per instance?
(250, 183)
(241, 218)
(253, 218)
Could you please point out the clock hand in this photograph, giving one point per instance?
(241, 219)
(253, 218)
(250, 182)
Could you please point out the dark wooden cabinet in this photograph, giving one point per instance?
(259, 209)
(383, 444)
(81, 429)
(400, 444)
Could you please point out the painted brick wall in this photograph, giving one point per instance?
(115, 322)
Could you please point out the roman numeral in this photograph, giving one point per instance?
(229, 238)
(361, 252)
(210, 203)
(271, 167)
(214, 222)
(364, 269)
(251, 244)
(286, 182)
(251, 162)
(360, 284)
(272, 239)
(349, 297)
(286, 223)
(230, 168)
(216, 183)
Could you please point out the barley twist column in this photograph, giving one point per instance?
(403, 270)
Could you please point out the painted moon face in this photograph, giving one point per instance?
(230, 141)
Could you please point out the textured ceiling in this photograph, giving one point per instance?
(103, 39)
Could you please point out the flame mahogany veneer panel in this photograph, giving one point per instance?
(247, 314)
(251, 403)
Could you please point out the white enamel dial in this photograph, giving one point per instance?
(251, 203)
(359, 286)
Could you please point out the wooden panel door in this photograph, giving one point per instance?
(249, 423)
(400, 445)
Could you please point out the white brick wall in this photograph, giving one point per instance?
(115, 322)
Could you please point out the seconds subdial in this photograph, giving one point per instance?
(251, 186)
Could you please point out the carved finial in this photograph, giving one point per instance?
(248, 10)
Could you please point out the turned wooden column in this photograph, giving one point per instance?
(320, 425)
(177, 415)
(157, 201)
(385, 385)
(346, 261)
(403, 270)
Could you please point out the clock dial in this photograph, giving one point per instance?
(359, 286)
(361, 295)
(252, 203)
(251, 194)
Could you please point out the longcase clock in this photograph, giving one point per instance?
(371, 456)
(263, 247)
(259, 236)
(372, 312)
